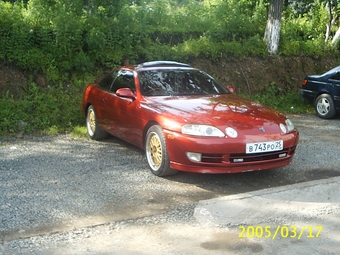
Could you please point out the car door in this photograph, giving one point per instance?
(123, 112)
(100, 97)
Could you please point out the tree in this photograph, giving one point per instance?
(301, 7)
(333, 12)
(272, 33)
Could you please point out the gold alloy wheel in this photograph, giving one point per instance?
(156, 152)
(155, 149)
(92, 121)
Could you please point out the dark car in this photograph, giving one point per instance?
(186, 120)
(323, 92)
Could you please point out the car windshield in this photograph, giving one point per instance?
(175, 82)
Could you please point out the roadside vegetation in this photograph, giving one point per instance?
(72, 42)
(288, 102)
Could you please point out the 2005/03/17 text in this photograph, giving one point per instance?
(279, 231)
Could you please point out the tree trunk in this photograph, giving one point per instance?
(272, 33)
(336, 37)
(330, 23)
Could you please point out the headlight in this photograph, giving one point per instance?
(283, 128)
(201, 130)
(231, 132)
(290, 125)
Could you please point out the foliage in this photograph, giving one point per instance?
(303, 34)
(79, 131)
(63, 36)
(300, 7)
(70, 41)
(52, 110)
(283, 100)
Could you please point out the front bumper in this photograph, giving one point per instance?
(222, 155)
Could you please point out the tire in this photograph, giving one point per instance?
(156, 152)
(93, 129)
(324, 106)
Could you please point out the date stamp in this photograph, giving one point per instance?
(273, 233)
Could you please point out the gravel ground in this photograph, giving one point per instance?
(57, 189)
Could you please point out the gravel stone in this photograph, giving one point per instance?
(60, 190)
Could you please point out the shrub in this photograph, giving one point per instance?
(284, 100)
(55, 108)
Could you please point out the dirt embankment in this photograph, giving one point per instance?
(252, 74)
(246, 75)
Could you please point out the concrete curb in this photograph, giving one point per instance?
(301, 200)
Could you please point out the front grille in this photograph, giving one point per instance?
(242, 157)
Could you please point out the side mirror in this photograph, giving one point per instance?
(125, 92)
(231, 89)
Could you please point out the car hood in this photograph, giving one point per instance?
(219, 110)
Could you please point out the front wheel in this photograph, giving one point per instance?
(324, 106)
(93, 129)
(156, 152)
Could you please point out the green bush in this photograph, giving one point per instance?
(284, 100)
(60, 37)
(57, 108)
(14, 114)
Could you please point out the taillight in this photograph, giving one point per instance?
(304, 82)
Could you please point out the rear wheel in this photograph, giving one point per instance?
(156, 152)
(324, 106)
(93, 129)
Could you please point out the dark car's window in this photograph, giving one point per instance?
(125, 79)
(336, 77)
(107, 81)
(164, 82)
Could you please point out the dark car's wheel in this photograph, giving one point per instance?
(93, 129)
(324, 106)
(156, 152)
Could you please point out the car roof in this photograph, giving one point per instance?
(332, 71)
(160, 64)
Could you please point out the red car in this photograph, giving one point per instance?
(186, 120)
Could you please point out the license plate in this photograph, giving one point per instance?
(264, 147)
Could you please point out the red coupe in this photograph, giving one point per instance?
(186, 120)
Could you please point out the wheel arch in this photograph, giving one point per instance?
(86, 107)
(146, 128)
(321, 93)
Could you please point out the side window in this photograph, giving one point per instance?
(336, 77)
(107, 81)
(125, 79)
